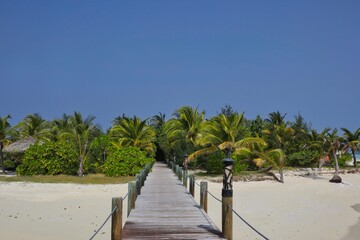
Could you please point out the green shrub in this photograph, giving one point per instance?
(49, 158)
(100, 148)
(304, 158)
(9, 164)
(126, 161)
(240, 164)
(344, 158)
(214, 162)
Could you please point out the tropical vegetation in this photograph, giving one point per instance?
(74, 145)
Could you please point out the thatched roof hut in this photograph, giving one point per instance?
(19, 146)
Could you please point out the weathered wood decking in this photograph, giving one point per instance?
(165, 210)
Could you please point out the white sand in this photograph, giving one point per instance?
(55, 211)
(302, 208)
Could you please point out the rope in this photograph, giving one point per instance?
(213, 196)
(125, 196)
(247, 223)
(242, 219)
(197, 183)
(107, 219)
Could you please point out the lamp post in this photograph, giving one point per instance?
(227, 197)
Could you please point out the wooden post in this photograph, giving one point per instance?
(185, 177)
(131, 196)
(227, 199)
(180, 174)
(142, 178)
(227, 217)
(138, 185)
(116, 219)
(203, 195)
(192, 185)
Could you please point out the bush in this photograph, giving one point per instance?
(100, 148)
(344, 158)
(9, 165)
(49, 158)
(240, 164)
(126, 161)
(214, 162)
(304, 158)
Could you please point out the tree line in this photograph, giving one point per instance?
(74, 144)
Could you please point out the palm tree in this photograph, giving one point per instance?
(276, 158)
(183, 130)
(134, 132)
(224, 133)
(188, 121)
(33, 125)
(277, 132)
(59, 126)
(316, 141)
(332, 143)
(352, 141)
(276, 118)
(81, 132)
(4, 132)
(158, 123)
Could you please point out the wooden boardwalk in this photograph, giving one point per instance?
(165, 210)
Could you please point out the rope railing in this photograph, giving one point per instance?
(237, 214)
(107, 219)
(132, 193)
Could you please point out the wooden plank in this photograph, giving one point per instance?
(165, 210)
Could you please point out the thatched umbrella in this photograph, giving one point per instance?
(19, 146)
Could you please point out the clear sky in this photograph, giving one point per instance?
(106, 58)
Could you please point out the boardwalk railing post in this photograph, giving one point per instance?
(185, 177)
(142, 174)
(192, 185)
(131, 196)
(227, 198)
(116, 219)
(180, 174)
(138, 184)
(203, 195)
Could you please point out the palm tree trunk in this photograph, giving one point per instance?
(2, 158)
(81, 168)
(281, 175)
(336, 178)
(336, 165)
(354, 157)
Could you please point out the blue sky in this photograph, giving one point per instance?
(106, 58)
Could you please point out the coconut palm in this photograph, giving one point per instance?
(134, 132)
(276, 118)
(4, 134)
(332, 143)
(81, 131)
(277, 132)
(59, 126)
(316, 141)
(224, 133)
(276, 158)
(352, 140)
(183, 130)
(33, 125)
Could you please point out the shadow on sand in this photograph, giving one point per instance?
(354, 231)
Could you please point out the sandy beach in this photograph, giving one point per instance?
(302, 208)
